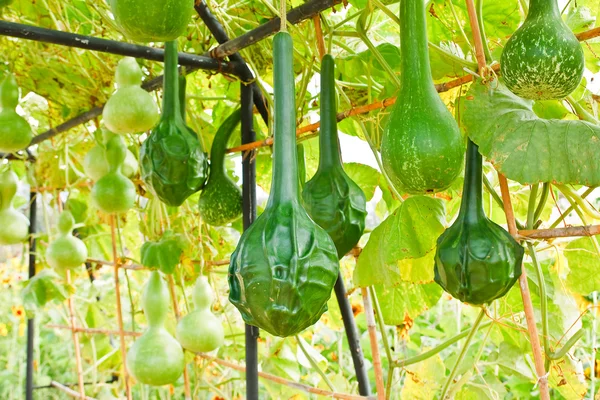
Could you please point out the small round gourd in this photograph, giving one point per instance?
(542, 60)
(66, 251)
(14, 225)
(130, 109)
(114, 193)
(153, 20)
(156, 358)
(15, 132)
(95, 165)
(201, 331)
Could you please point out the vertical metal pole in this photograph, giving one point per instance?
(30, 321)
(249, 215)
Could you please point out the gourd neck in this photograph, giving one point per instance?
(284, 187)
(219, 146)
(155, 301)
(543, 8)
(329, 146)
(415, 68)
(471, 207)
(8, 189)
(171, 103)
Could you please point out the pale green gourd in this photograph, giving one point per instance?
(66, 251)
(15, 132)
(15, 226)
(95, 165)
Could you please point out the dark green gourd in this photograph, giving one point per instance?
(332, 199)
(15, 132)
(156, 358)
(66, 251)
(284, 267)
(542, 60)
(15, 226)
(173, 162)
(152, 20)
(476, 260)
(422, 148)
(221, 199)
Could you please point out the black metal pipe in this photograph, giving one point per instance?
(30, 321)
(362, 377)
(217, 30)
(249, 215)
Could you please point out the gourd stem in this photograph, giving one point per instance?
(329, 147)
(285, 160)
(219, 146)
(171, 106)
(472, 202)
(540, 8)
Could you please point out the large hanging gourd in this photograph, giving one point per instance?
(542, 60)
(173, 162)
(201, 331)
(156, 358)
(332, 199)
(114, 193)
(221, 199)
(152, 20)
(476, 260)
(14, 225)
(95, 165)
(422, 148)
(66, 251)
(130, 109)
(15, 132)
(284, 267)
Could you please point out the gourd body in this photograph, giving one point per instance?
(15, 132)
(153, 20)
(284, 267)
(476, 260)
(332, 199)
(173, 163)
(200, 331)
(422, 148)
(114, 193)
(156, 358)
(130, 109)
(66, 251)
(542, 60)
(95, 165)
(15, 226)
(221, 199)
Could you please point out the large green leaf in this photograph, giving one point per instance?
(526, 148)
(406, 301)
(43, 288)
(424, 379)
(584, 264)
(367, 178)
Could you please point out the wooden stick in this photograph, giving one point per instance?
(372, 327)
(69, 391)
(94, 331)
(571, 231)
(119, 311)
(526, 296)
(473, 22)
(319, 35)
(75, 341)
(186, 378)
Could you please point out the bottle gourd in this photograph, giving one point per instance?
(284, 267)
(173, 162)
(15, 226)
(201, 331)
(152, 20)
(15, 132)
(332, 199)
(66, 251)
(130, 109)
(221, 199)
(476, 260)
(422, 148)
(156, 358)
(542, 60)
(95, 165)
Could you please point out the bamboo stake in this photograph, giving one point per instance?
(75, 341)
(186, 378)
(319, 35)
(379, 384)
(119, 311)
(69, 391)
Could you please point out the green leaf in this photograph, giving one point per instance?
(367, 178)
(406, 301)
(43, 288)
(164, 254)
(584, 264)
(396, 247)
(424, 379)
(526, 148)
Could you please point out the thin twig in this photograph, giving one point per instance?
(69, 391)
(75, 341)
(371, 326)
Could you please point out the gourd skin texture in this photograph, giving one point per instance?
(153, 20)
(15, 226)
(130, 109)
(156, 358)
(66, 251)
(201, 331)
(542, 60)
(173, 162)
(332, 199)
(284, 267)
(15, 132)
(221, 199)
(476, 260)
(422, 148)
